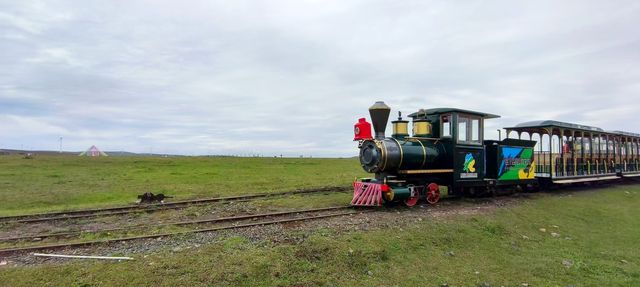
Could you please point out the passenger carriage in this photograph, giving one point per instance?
(570, 153)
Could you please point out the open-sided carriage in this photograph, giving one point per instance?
(569, 153)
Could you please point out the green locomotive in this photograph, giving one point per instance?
(446, 151)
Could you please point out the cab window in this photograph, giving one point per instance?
(445, 126)
(462, 129)
(469, 130)
(475, 130)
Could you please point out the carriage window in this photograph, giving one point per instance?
(587, 145)
(445, 131)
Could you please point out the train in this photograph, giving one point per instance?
(446, 155)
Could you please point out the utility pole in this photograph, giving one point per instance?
(60, 144)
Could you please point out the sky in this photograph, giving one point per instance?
(292, 77)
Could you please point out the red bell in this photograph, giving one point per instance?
(362, 130)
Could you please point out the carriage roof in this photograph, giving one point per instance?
(551, 125)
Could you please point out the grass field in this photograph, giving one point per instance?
(48, 183)
(588, 238)
(594, 243)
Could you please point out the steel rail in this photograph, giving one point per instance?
(9, 251)
(178, 223)
(74, 214)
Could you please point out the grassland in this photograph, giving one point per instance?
(594, 243)
(587, 238)
(48, 183)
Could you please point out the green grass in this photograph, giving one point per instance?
(48, 183)
(598, 230)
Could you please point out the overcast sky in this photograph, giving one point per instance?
(292, 77)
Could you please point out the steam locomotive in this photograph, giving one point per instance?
(447, 153)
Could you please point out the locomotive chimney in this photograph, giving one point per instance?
(379, 116)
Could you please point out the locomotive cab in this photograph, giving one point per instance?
(462, 131)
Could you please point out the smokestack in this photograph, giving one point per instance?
(379, 116)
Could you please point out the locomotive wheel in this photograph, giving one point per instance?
(433, 193)
(411, 201)
(415, 196)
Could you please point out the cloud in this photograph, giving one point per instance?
(291, 77)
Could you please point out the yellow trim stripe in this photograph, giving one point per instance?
(422, 138)
(419, 171)
(401, 153)
(424, 154)
(384, 152)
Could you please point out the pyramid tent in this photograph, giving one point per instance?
(93, 151)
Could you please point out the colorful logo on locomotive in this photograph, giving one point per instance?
(517, 163)
(469, 163)
(469, 167)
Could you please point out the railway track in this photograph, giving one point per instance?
(236, 223)
(129, 209)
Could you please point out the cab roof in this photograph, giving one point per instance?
(423, 112)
